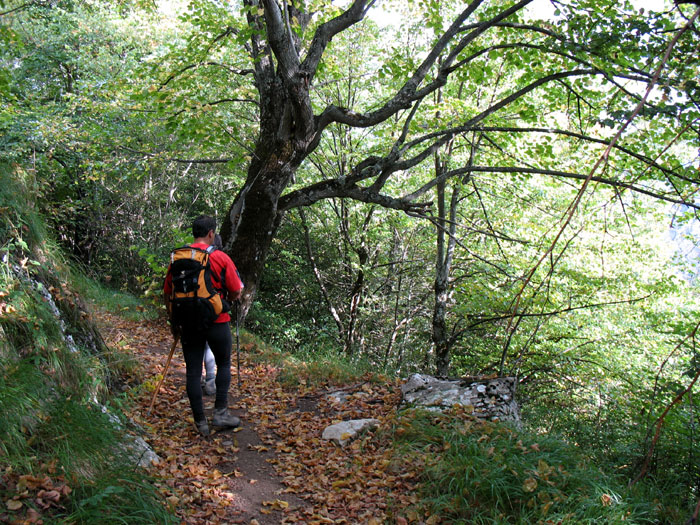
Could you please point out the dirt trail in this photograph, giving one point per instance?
(275, 468)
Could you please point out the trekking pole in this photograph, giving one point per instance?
(238, 349)
(167, 365)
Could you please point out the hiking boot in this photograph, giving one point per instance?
(223, 419)
(210, 387)
(202, 427)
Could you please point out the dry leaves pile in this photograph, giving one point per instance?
(45, 492)
(210, 480)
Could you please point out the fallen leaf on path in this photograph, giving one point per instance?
(277, 504)
(14, 504)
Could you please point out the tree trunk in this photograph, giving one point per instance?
(442, 268)
(253, 219)
(446, 241)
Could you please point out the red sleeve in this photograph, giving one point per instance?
(233, 281)
(221, 261)
(168, 285)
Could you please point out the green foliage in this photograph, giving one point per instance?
(22, 389)
(120, 497)
(480, 472)
(53, 372)
(107, 298)
(319, 368)
(105, 111)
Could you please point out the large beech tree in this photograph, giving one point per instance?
(582, 66)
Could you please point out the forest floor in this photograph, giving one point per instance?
(275, 468)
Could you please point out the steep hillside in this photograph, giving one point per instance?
(64, 454)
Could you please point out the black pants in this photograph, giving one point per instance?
(193, 343)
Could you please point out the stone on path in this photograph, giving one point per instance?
(344, 432)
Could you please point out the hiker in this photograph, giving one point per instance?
(209, 361)
(209, 383)
(217, 335)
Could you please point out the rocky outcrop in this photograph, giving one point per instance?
(490, 398)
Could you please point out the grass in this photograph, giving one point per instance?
(22, 387)
(122, 497)
(80, 438)
(309, 368)
(125, 304)
(52, 429)
(61, 458)
(477, 472)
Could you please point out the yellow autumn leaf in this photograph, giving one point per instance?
(412, 515)
(529, 485)
(433, 520)
(14, 504)
(277, 504)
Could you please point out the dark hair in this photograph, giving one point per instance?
(202, 225)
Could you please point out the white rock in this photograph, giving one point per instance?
(488, 397)
(338, 397)
(346, 431)
(415, 382)
(142, 453)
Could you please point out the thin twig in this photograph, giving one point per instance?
(662, 417)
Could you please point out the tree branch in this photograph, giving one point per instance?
(283, 49)
(176, 159)
(318, 276)
(407, 93)
(202, 64)
(20, 8)
(553, 173)
(650, 162)
(662, 417)
(325, 32)
(555, 312)
(214, 103)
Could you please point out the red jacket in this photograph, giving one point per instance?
(218, 261)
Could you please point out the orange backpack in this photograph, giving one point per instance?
(194, 300)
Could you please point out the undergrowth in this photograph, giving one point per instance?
(124, 304)
(476, 472)
(62, 458)
(307, 368)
